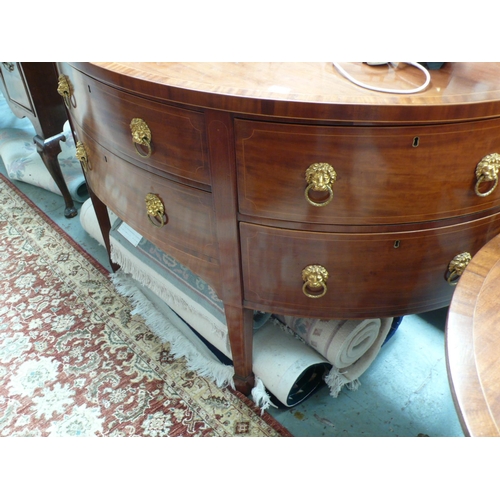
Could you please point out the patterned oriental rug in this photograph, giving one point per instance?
(75, 361)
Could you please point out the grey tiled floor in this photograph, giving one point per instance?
(405, 392)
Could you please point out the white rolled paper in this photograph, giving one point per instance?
(289, 368)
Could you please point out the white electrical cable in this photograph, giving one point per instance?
(343, 72)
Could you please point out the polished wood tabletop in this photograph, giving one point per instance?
(473, 343)
(315, 90)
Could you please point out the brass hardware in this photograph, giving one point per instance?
(155, 210)
(487, 171)
(141, 135)
(315, 278)
(457, 267)
(8, 66)
(81, 154)
(320, 177)
(65, 90)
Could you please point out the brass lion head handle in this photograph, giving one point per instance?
(320, 177)
(457, 266)
(65, 90)
(315, 278)
(141, 136)
(81, 155)
(487, 171)
(155, 210)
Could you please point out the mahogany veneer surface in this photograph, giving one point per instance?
(189, 232)
(382, 177)
(273, 260)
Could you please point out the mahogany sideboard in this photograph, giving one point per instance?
(30, 90)
(289, 189)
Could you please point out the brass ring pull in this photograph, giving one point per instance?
(320, 177)
(315, 278)
(155, 210)
(487, 171)
(141, 135)
(65, 90)
(81, 155)
(482, 179)
(314, 203)
(457, 266)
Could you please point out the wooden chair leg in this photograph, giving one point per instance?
(48, 150)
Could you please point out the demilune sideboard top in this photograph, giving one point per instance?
(291, 190)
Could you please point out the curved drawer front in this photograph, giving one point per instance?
(384, 175)
(369, 275)
(178, 138)
(188, 233)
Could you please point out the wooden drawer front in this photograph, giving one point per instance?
(15, 85)
(178, 137)
(384, 175)
(368, 276)
(190, 227)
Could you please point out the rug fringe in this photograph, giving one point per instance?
(335, 380)
(354, 385)
(260, 396)
(221, 374)
(173, 300)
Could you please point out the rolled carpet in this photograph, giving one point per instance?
(350, 346)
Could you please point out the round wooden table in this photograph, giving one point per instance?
(473, 343)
